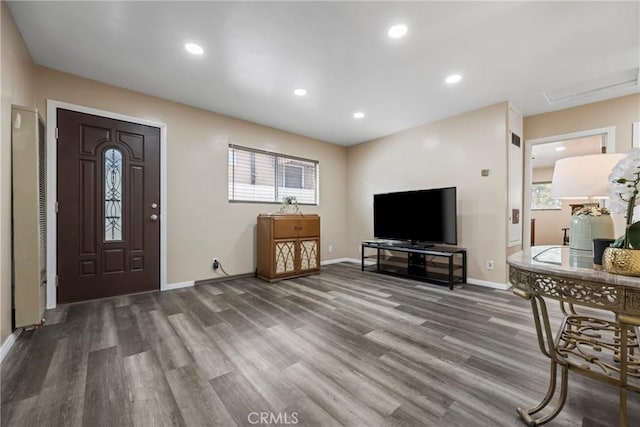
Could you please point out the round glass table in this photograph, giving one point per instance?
(598, 336)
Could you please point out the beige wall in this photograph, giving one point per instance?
(449, 152)
(202, 224)
(619, 112)
(16, 80)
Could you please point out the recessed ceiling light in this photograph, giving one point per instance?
(561, 148)
(397, 31)
(300, 92)
(194, 48)
(358, 115)
(453, 78)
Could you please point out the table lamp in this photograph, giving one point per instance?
(585, 177)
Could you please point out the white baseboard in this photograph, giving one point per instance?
(487, 284)
(8, 343)
(178, 285)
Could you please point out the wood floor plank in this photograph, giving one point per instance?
(196, 399)
(169, 304)
(57, 315)
(56, 407)
(359, 386)
(343, 347)
(376, 310)
(462, 416)
(105, 399)
(309, 300)
(256, 317)
(310, 414)
(169, 348)
(24, 377)
(101, 325)
(309, 291)
(234, 318)
(355, 286)
(205, 313)
(332, 397)
(20, 412)
(272, 308)
(414, 350)
(130, 338)
(237, 348)
(151, 400)
(250, 355)
(210, 359)
(239, 397)
(455, 386)
(252, 350)
(424, 409)
(62, 400)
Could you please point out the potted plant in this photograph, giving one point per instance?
(289, 203)
(623, 256)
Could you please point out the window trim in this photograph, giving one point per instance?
(542, 209)
(275, 157)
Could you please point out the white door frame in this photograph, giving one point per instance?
(609, 141)
(52, 175)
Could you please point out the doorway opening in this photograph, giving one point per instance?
(546, 220)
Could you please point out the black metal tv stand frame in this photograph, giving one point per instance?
(422, 262)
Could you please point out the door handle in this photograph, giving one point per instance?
(153, 217)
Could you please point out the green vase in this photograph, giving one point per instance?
(585, 228)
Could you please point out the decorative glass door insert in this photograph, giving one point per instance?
(112, 195)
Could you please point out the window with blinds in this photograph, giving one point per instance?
(261, 176)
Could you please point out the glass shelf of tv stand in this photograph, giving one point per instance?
(435, 264)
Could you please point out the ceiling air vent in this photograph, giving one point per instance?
(602, 86)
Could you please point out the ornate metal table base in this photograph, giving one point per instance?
(603, 349)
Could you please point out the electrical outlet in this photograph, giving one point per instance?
(489, 264)
(330, 248)
(216, 263)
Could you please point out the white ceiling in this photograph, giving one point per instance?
(257, 53)
(545, 155)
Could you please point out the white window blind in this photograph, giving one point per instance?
(261, 176)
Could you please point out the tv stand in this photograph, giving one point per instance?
(429, 263)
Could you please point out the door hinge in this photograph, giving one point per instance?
(56, 133)
(57, 206)
(57, 281)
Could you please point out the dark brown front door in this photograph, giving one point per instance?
(108, 232)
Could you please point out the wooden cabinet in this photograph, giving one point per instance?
(288, 246)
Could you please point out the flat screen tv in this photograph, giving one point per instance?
(421, 216)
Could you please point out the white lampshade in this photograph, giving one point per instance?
(583, 177)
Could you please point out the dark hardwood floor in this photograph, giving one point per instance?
(339, 348)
